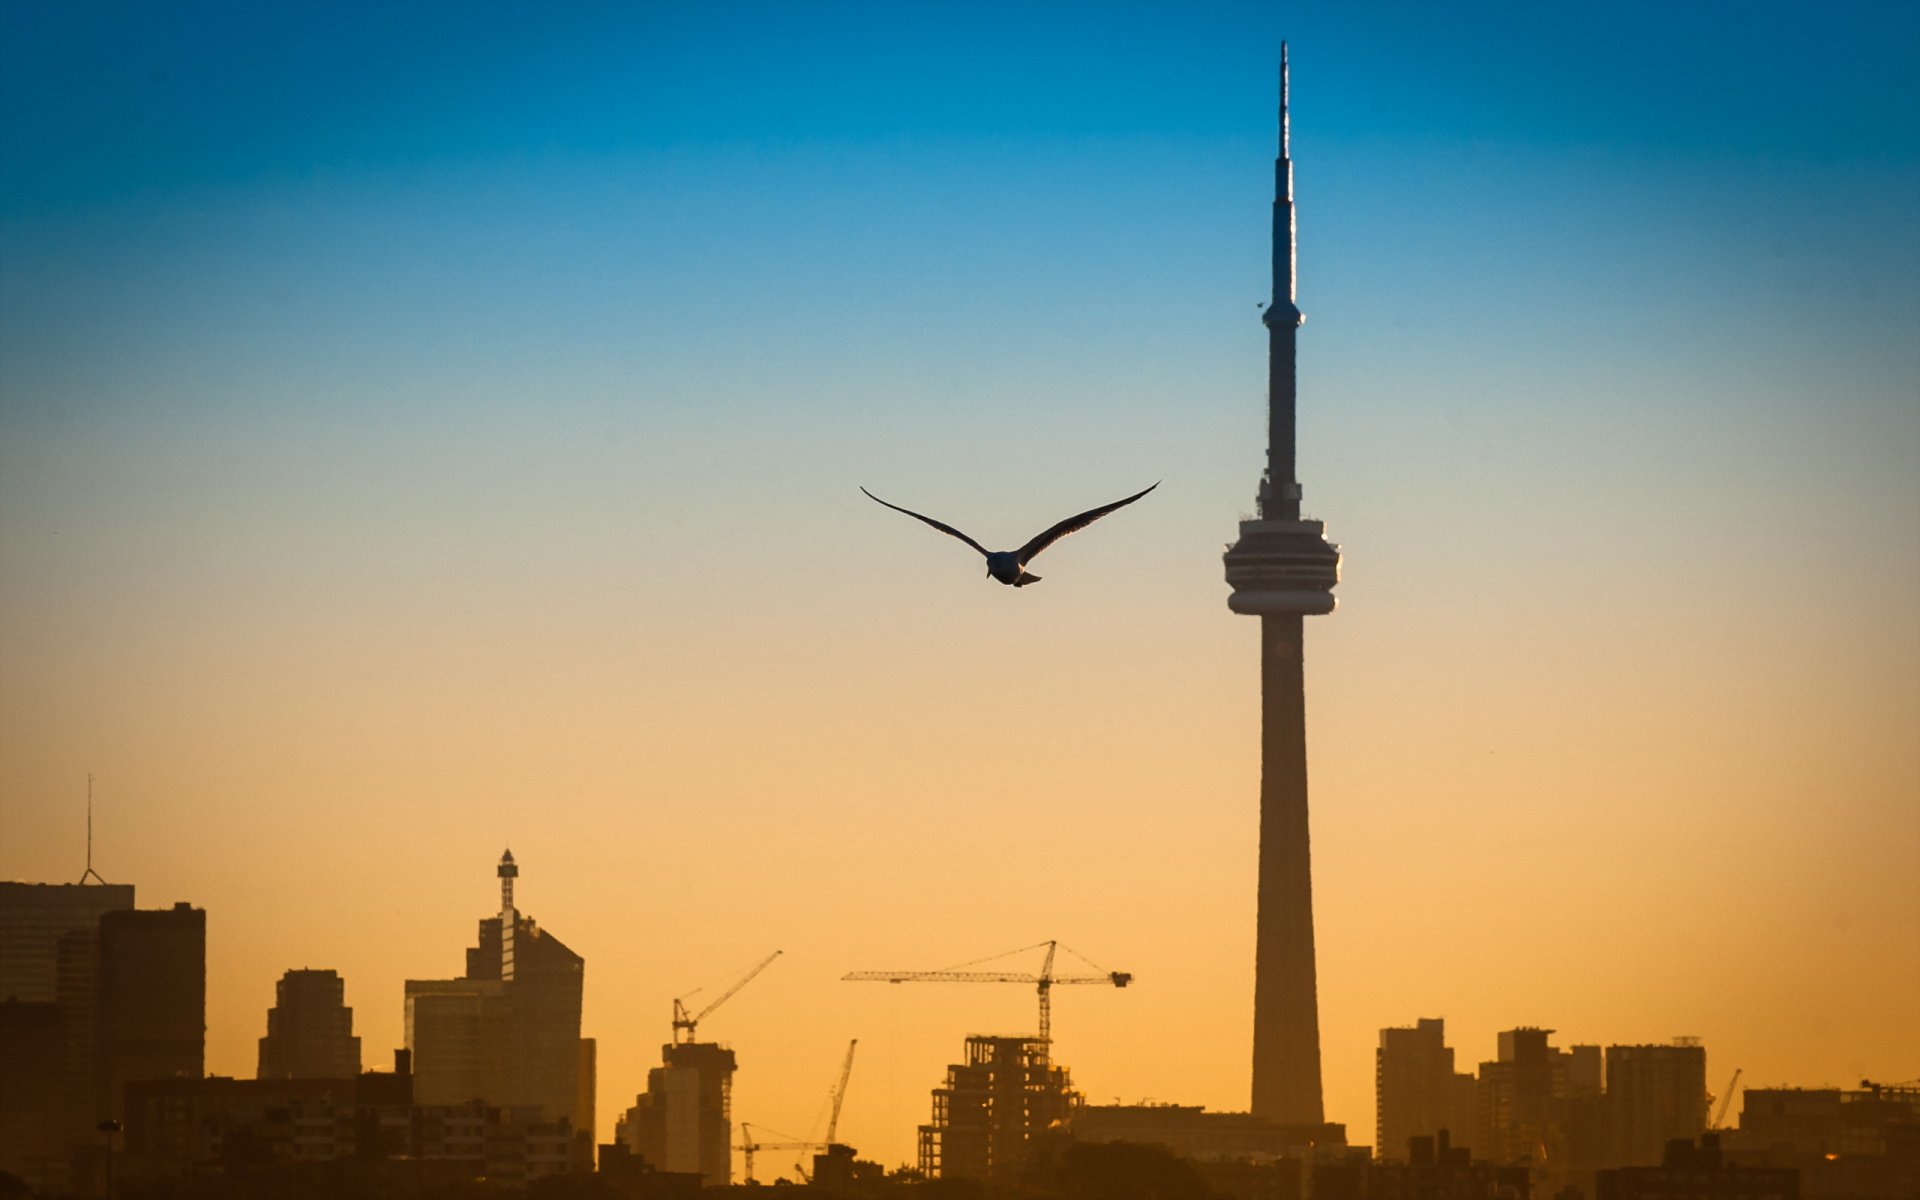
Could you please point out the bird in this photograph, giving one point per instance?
(1010, 566)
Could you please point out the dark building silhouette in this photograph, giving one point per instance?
(507, 1033)
(683, 1123)
(1282, 569)
(1655, 1095)
(1690, 1172)
(32, 1056)
(1238, 1154)
(1428, 1168)
(1859, 1144)
(33, 919)
(151, 999)
(126, 1001)
(990, 1107)
(1417, 1093)
(295, 1136)
(1540, 1105)
(309, 1029)
(50, 1091)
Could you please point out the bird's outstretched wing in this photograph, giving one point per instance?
(948, 529)
(1072, 524)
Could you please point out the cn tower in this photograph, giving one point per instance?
(1283, 570)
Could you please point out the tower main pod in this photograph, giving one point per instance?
(1282, 570)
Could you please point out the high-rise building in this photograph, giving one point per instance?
(1282, 570)
(986, 1113)
(508, 1031)
(99, 994)
(1655, 1094)
(34, 917)
(309, 1029)
(150, 999)
(32, 1134)
(1417, 1092)
(1515, 1099)
(683, 1122)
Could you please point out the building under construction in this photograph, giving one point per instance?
(683, 1122)
(987, 1113)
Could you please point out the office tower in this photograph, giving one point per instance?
(1283, 570)
(1417, 1093)
(1655, 1094)
(150, 999)
(683, 1122)
(1515, 1099)
(508, 1031)
(32, 1135)
(33, 918)
(987, 1112)
(309, 1029)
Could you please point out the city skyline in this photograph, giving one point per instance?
(395, 471)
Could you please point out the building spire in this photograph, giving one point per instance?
(1282, 308)
(507, 872)
(90, 873)
(1286, 130)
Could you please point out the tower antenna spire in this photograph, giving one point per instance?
(90, 872)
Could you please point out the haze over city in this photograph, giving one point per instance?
(424, 435)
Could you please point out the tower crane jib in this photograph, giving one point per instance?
(1044, 982)
(682, 1021)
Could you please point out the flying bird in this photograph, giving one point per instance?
(1010, 566)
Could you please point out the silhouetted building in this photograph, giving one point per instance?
(32, 1055)
(151, 999)
(1282, 569)
(1514, 1099)
(1690, 1172)
(309, 1029)
(1655, 1095)
(632, 1177)
(1543, 1106)
(1433, 1169)
(49, 962)
(987, 1112)
(1855, 1144)
(507, 1032)
(1194, 1133)
(683, 1122)
(34, 916)
(280, 1131)
(1239, 1154)
(1417, 1093)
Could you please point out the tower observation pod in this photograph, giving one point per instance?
(1282, 569)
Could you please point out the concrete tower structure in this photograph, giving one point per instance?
(1283, 570)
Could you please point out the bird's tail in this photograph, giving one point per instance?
(1024, 580)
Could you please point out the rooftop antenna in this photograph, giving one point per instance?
(90, 872)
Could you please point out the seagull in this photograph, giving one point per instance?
(1010, 566)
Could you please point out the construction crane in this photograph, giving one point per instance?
(840, 1091)
(683, 1022)
(1044, 981)
(1720, 1118)
(748, 1146)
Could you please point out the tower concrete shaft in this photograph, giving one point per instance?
(1282, 570)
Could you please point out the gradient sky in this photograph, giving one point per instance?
(431, 428)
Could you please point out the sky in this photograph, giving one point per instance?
(427, 429)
